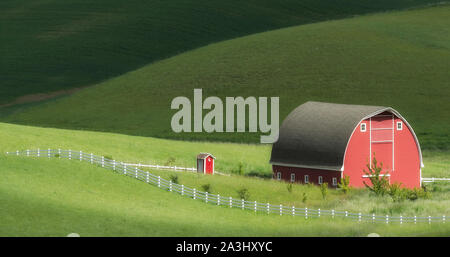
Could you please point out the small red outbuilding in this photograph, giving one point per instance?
(205, 163)
(323, 142)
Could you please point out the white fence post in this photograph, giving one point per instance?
(39, 153)
(281, 209)
(231, 202)
(306, 212)
(359, 217)
(124, 165)
(255, 207)
(59, 152)
(114, 164)
(70, 154)
(346, 214)
(48, 152)
(81, 155)
(195, 193)
(332, 214)
(318, 212)
(103, 161)
(182, 189)
(387, 219)
(429, 219)
(136, 170)
(373, 217)
(401, 220)
(17, 152)
(242, 201)
(415, 220)
(293, 210)
(159, 182)
(170, 185)
(218, 199)
(28, 152)
(268, 208)
(92, 158)
(147, 178)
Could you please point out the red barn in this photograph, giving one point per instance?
(205, 163)
(323, 142)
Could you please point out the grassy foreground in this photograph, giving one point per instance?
(52, 197)
(397, 59)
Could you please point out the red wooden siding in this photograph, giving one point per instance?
(209, 165)
(300, 173)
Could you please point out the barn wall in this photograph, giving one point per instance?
(407, 159)
(300, 173)
(402, 154)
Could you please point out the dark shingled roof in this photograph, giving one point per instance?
(204, 155)
(315, 134)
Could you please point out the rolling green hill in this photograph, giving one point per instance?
(66, 196)
(51, 197)
(48, 45)
(397, 59)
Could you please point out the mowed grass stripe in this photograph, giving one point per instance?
(52, 45)
(396, 59)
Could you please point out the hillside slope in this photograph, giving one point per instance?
(396, 59)
(52, 197)
(57, 45)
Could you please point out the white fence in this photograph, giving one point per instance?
(170, 168)
(435, 179)
(230, 202)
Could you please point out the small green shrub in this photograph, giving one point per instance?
(207, 188)
(174, 178)
(170, 161)
(244, 193)
(397, 193)
(57, 155)
(345, 184)
(239, 170)
(259, 174)
(289, 187)
(416, 193)
(324, 190)
(304, 198)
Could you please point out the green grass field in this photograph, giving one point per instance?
(52, 197)
(158, 151)
(167, 48)
(53, 45)
(397, 59)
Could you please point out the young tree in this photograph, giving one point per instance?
(324, 190)
(380, 182)
(344, 184)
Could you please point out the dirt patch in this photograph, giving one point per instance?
(41, 96)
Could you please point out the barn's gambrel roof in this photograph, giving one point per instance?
(315, 134)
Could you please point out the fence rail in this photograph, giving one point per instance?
(146, 176)
(170, 168)
(435, 179)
